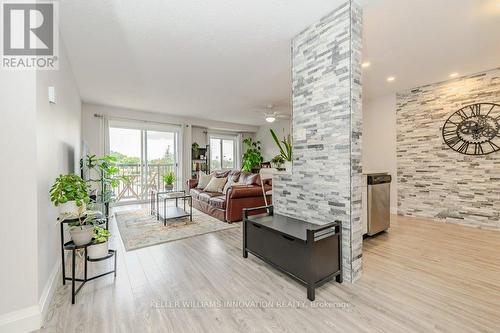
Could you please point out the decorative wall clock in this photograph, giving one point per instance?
(474, 129)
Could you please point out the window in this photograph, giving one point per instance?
(222, 152)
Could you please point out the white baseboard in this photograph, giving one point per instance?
(49, 289)
(21, 321)
(31, 318)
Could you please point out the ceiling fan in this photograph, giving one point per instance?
(271, 115)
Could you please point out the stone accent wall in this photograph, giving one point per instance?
(435, 181)
(327, 119)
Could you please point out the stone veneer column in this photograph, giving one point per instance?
(326, 181)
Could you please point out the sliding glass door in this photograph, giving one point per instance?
(144, 155)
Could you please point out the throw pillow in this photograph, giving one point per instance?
(216, 184)
(230, 182)
(203, 181)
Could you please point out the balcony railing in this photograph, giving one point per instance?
(137, 186)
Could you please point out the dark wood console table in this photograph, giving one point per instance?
(309, 253)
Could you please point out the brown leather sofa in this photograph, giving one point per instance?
(229, 207)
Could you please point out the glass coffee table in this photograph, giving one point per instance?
(166, 212)
(154, 199)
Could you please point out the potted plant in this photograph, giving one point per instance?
(278, 161)
(99, 247)
(285, 149)
(169, 179)
(82, 230)
(252, 158)
(103, 172)
(70, 194)
(195, 148)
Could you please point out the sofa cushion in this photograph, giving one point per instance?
(206, 196)
(235, 175)
(219, 202)
(248, 178)
(221, 173)
(216, 184)
(204, 180)
(195, 192)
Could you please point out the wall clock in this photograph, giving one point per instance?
(474, 129)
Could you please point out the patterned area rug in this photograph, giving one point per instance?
(139, 229)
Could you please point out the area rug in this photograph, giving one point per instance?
(139, 229)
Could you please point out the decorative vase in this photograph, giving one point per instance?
(82, 235)
(71, 209)
(96, 251)
(169, 187)
(288, 166)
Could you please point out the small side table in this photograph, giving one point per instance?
(70, 246)
(175, 212)
(154, 200)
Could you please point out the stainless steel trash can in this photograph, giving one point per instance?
(379, 212)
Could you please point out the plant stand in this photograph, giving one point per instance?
(70, 246)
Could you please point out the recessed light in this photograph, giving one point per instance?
(366, 64)
(455, 74)
(391, 78)
(270, 119)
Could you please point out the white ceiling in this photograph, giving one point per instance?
(226, 59)
(423, 41)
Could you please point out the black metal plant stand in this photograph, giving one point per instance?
(70, 246)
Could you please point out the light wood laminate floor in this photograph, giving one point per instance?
(421, 276)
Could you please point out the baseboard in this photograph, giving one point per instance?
(31, 318)
(21, 321)
(49, 289)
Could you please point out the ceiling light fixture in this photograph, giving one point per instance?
(391, 78)
(366, 64)
(455, 74)
(270, 119)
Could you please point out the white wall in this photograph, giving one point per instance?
(58, 152)
(199, 135)
(269, 149)
(379, 139)
(38, 142)
(18, 199)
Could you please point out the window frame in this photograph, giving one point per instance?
(221, 138)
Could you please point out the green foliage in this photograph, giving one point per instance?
(69, 188)
(100, 235)
(106, 170)
(124, 159)
(286, 149)
(278, 161)
(89, 217)
(169, 178)
(252, 156)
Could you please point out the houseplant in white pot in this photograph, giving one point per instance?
(99, 247)
(285, 147)
(169, 179)
(70, 194)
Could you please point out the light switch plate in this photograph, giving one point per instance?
(52, 95)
